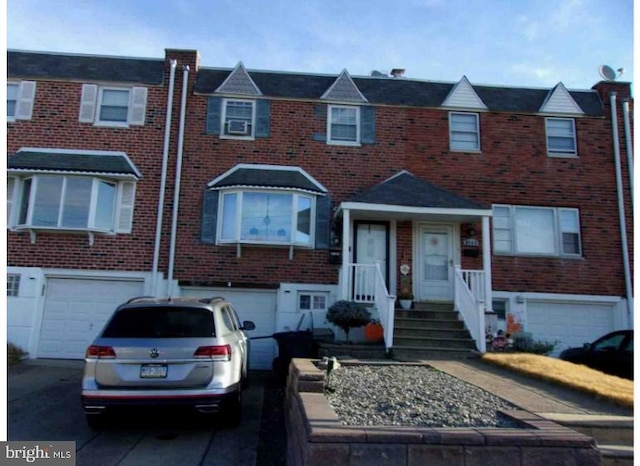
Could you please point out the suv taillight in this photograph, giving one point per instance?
(97, 352)
(217, 353)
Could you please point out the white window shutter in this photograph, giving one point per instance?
(11, 183)
(27, 94)
(88, 103)
(125, 207)
(138, 105)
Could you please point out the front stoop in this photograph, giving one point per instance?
(316, 436)
(431, 331)
(613, 434)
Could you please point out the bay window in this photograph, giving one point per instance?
(269, 217)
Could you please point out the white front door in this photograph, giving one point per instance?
(435, 263)
(371, 248)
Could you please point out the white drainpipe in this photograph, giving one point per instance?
(176, 194)
(623, 222)
(163, 179)
(629, 143)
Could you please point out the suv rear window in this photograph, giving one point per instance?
(155, 322)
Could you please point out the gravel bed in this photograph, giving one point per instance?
(405, 395)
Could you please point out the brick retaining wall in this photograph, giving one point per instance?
(315, 436)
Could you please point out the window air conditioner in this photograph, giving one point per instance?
(237, 127)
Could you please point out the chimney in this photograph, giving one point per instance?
(397, 72)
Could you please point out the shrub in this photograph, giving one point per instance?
(348, 315)
(15, 354)
(524, 343)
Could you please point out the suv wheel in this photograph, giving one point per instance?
(232, 412)
(96, 421)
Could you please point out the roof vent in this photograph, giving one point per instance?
(397, 72)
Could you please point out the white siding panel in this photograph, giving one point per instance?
(464, 96)
(75, 311)
(258, 306)
(570, 324)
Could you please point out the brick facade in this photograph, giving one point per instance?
(512, 168)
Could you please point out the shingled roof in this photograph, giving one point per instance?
(115, 164)
(397, 91)
(267, 177)
(43, 65)
(405, 189)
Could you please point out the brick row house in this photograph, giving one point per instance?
(288, 191)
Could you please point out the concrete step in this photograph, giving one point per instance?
(428, 342)
(417, 353)
(616, 455)
(613, 434)
(430, 332)
(431, 315)
(432, 306)
(606, 430)
(428, 323)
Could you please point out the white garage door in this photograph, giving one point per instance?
(75, 310)
(571, 324)
(258, 306)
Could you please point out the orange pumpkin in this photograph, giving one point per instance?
(373, 332)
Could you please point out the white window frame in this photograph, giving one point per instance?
(224, 130)
(119, 220)
(358, 124)
(507, 226)
(13, 285)
(555, 152)
(237, 239)
(312, 295)
(452, 132)
(17, 100)
(99, 105)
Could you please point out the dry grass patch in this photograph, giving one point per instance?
(578, 377)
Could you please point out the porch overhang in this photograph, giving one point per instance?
(370, 211)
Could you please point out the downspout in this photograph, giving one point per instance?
(623, 222)
(629, 144)
(176, 193)
(163, 179)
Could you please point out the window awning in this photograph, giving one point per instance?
(267, 176)
(70, 161)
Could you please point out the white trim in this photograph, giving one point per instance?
(258, 166)
(463, 94)
(553, 297)
(477, 132)
(57, 150)
(413, 210)
(223, 119)
(345, 74)
(357, 141)
(240, 68)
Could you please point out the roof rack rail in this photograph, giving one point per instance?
(132, 300)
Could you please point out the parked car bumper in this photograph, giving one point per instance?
(205, 401)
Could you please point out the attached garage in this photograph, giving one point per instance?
(571, 324)
(75, 310)
(258, 306)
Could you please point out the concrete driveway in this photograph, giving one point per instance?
(44, 404)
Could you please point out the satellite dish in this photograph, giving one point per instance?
(607, 73)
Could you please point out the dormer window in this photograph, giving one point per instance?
(238, 119)
(344, 125)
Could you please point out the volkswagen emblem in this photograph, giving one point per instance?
(154, 353)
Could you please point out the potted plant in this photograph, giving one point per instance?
(405, 297)
(373, 331)
(347, 315)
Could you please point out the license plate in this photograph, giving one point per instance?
(153, 371)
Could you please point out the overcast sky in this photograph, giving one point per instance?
(508, 42)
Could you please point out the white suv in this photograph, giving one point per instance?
(182, 352)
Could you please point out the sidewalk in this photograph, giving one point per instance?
(533, 395)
